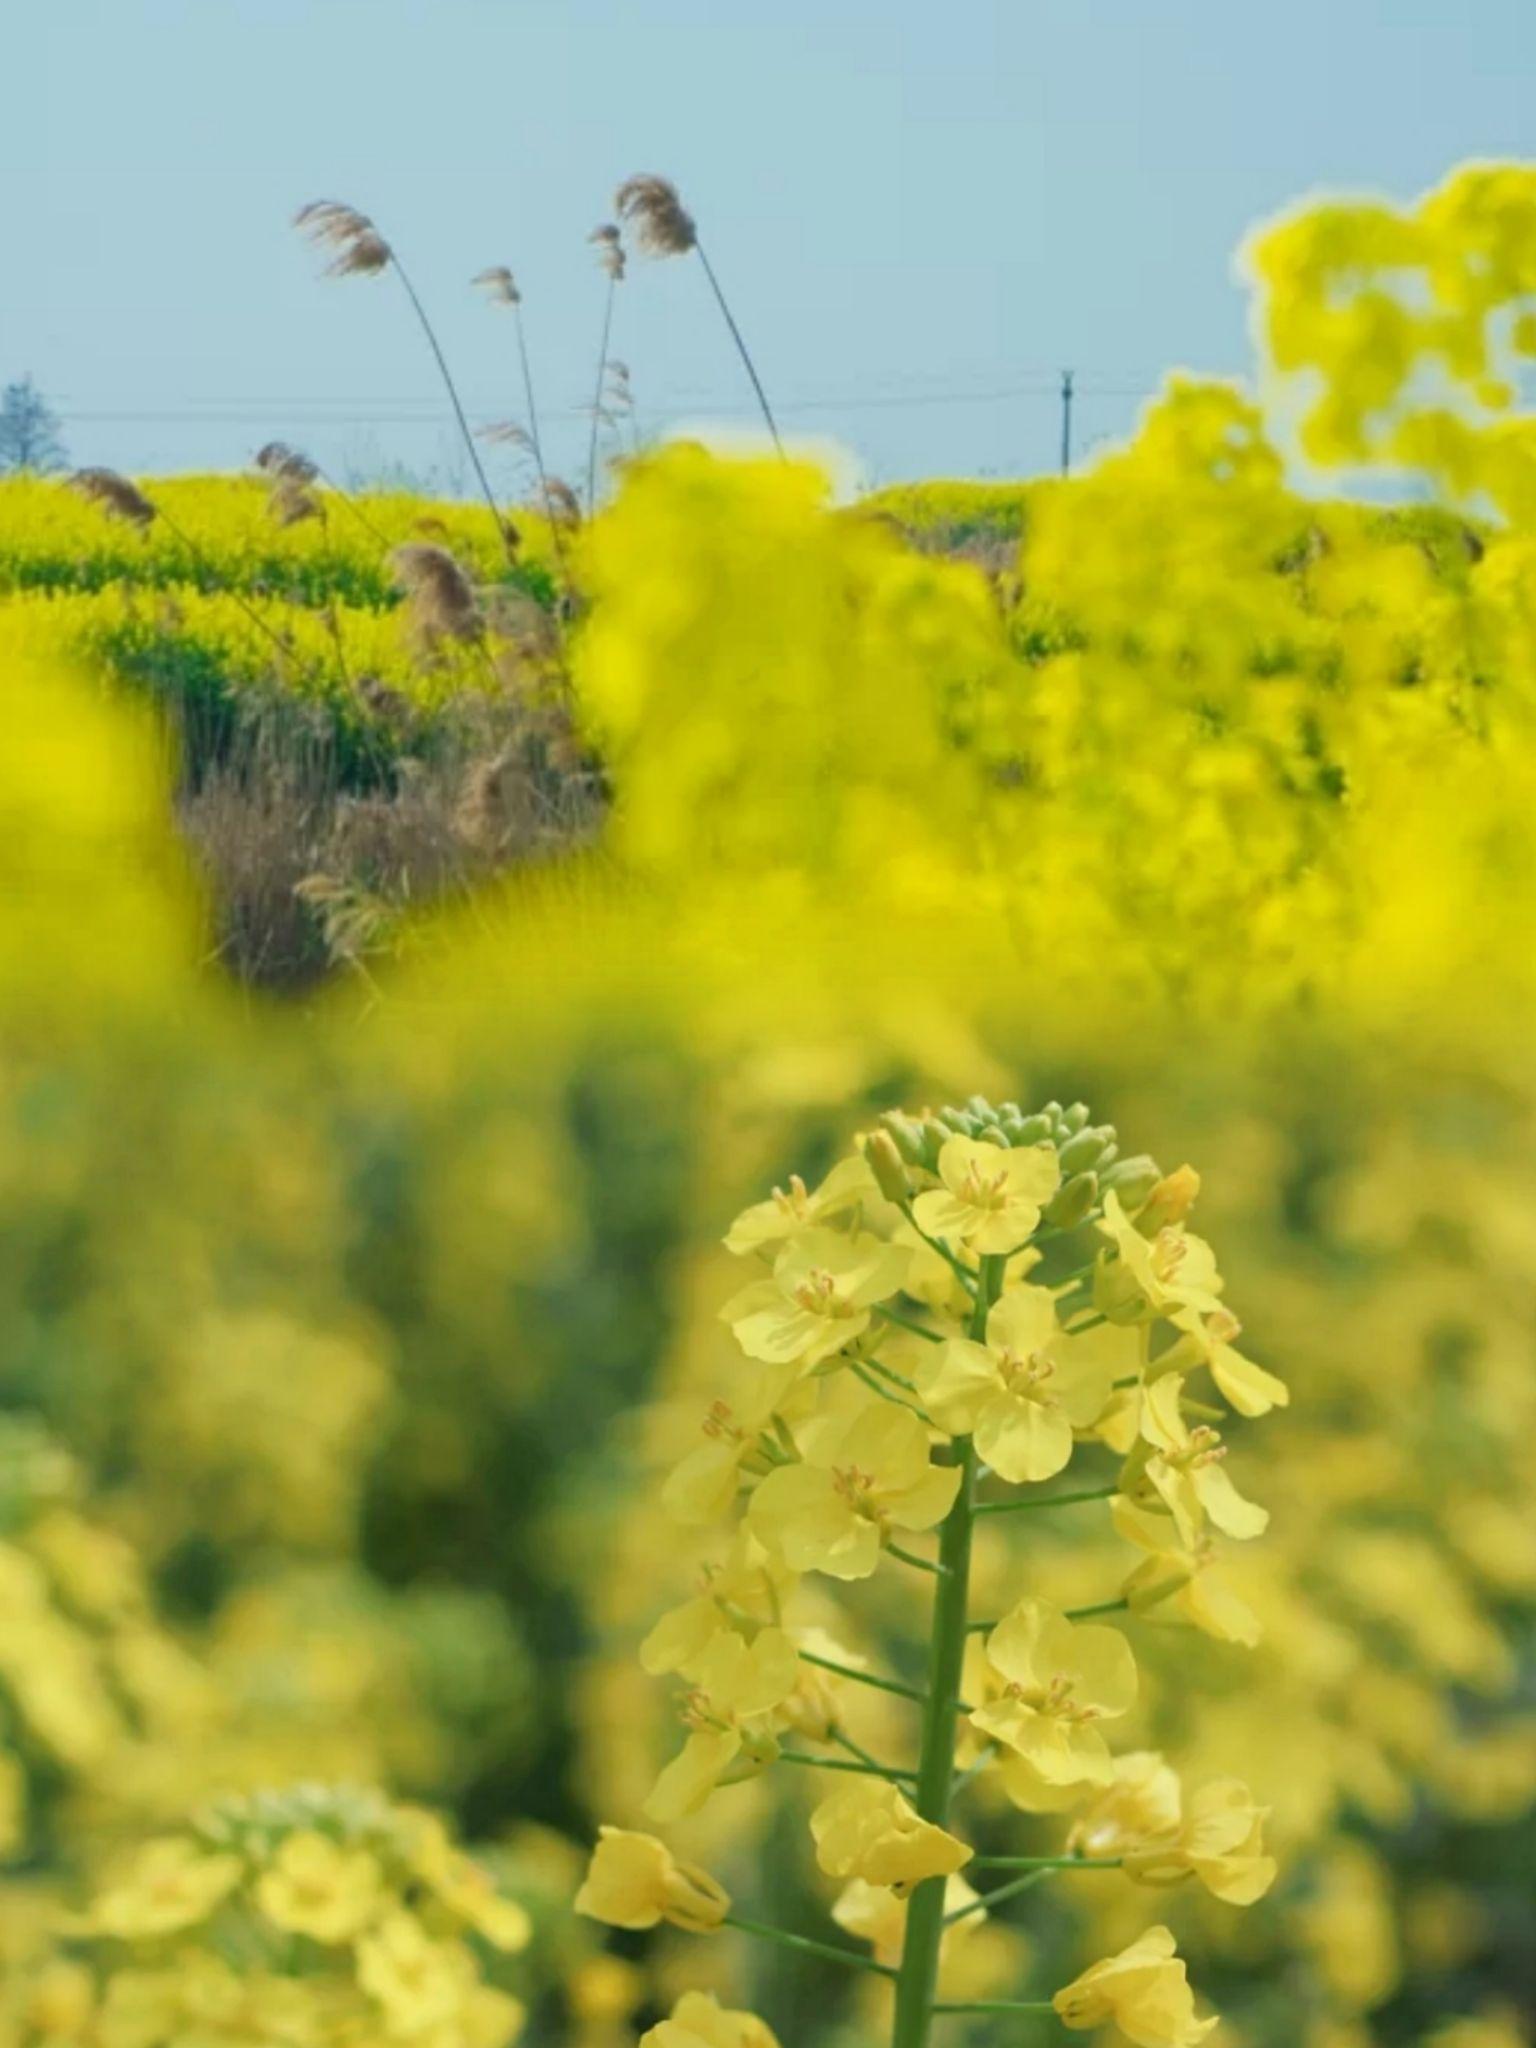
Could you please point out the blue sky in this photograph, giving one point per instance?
(922, 209)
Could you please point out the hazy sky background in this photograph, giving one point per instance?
(922, 209)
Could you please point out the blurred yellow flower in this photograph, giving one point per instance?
(316, 1887)
(700, 2021)
(169, 1885)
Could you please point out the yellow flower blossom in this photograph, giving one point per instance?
(702, 1488)
(1154, 1276)
(1023, 1392)
(821, 1295)
(1186, 1468)
(869, 1829)
(1142, 1801)
(1144, 1990)
(314, 1886)
(634, 1880)
(788, 1211)
(831, 1512)
(700, 2021)
(749, 1586)
(737, 1685)
(1219, 1839)
(418, 1982)
(469, 1891)
(172, 1883)
(1188, 1579)
(991, 1199)
(878, 1915)
(1060, 1680)
(1210, 1340)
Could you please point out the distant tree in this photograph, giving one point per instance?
(30, 435)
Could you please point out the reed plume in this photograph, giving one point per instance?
(662, 226)
(120, 499)
(442, 599)
(500, 287)
(611, 260)
(115, 495)
(291, 473)
(362, 251)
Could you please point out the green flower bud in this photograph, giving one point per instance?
(885, 1163)
(1074, 1200)
(1034, 1130)
(904, 1135)
(1085, 1150)
(1133, 1181)
(1075, 1117)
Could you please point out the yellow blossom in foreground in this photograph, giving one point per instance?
(1144, 1990)
(171, 1884)
(831, 1512)
(1060, 1680)
(1152, 1276)
(635, 1881)
(871, 1830)
(736, 1688)
(991, 1198)
(700, 2021)
(790, 1210)
(315, 1887)
(1027, 1388)
(1187, 1470)
(823, 1288)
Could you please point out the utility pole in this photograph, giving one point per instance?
(1066, 422)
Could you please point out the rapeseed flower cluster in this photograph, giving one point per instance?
(964, 1308)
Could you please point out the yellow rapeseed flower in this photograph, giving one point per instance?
(1027, 1388)
(171, 1884)
(1144, 1990)
(823, 1288)
(634, 1880)
(737, 1685)
(991, 1199)
(871, 1830)
(700, 2021)
(1060, 1680)
(314, 1886)
(788, 1211)
(831, 1512)
(1186, 1468)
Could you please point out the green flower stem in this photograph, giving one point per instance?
(941, 1570)
(862, 1372)
(1055, 1500)
(894, 1315)
(962, 1271)
(995, 1898)
(854, 1749)
(1047, 1862)
(1119, 1606)
(886, 1372)
(998, 2005)
(802, 1942)
(906, 1692)
(919, 1970)
(840, 1763)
